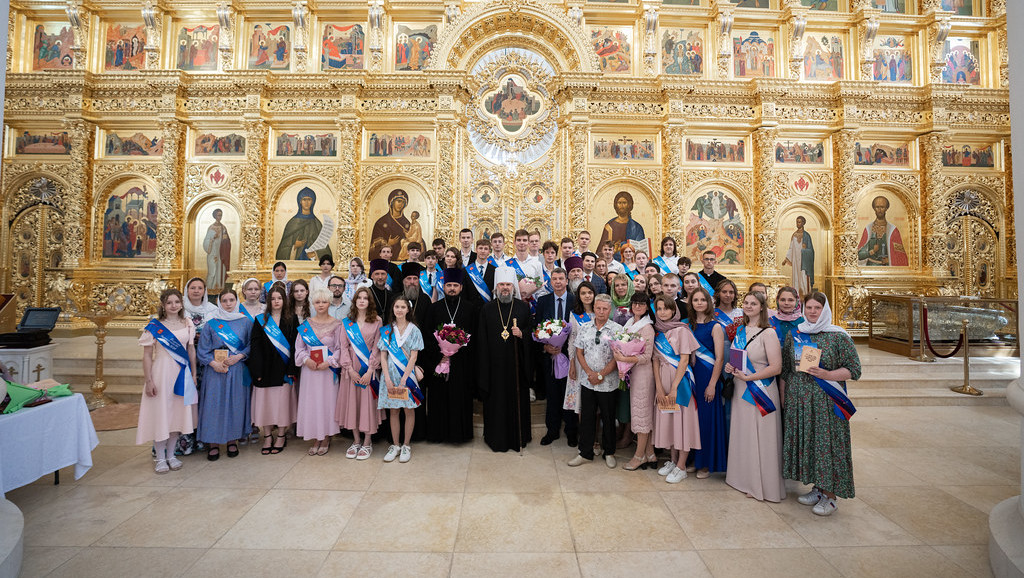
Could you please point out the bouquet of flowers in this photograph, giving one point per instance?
(529, 285)
(627, 344)
(554, 332)
(450, 339)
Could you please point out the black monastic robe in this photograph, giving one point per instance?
(450, 399)
(503, 385)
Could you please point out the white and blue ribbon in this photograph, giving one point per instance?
(756, 392)
(842, 406)
(355, 337)
(184, 385)
(396, 357)
(685, 390)
(478, 281)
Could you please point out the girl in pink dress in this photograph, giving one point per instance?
(319, 392)
(357, 406)
(163, 416)
(272, 365)
(678, 431)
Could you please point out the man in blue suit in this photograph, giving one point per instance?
(589, 261)
(556, 305)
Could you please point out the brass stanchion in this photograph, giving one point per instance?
(923, 355)
(100, 317)
(966, 387)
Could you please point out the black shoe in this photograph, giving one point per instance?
(547, 439)
(572, 440)
(213, 456)
(232, 452)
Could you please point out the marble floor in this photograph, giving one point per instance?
(926, 479)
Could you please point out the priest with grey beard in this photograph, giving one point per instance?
(503, 337)
(574, 267)
(411, 291)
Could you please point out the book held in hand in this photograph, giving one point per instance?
(318, 354)
(738, 358)
(398, 393)
(809, 357)
(667, 405)
(220, 355)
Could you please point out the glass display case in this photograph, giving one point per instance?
(895, 324)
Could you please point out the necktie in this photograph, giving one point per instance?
(560, 312)
(588, 277)
(430, 278)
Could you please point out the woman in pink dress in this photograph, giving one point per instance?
(163, 415)
(356, 409)
(272, 365)
(755, 440)
(319, 337)
(641, 383)
(678, 431)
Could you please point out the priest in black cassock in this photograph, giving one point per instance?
(450, 397)
(382, 296)
(504, 336)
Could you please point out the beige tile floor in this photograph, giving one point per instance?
(926, 480)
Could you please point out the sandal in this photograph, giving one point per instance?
(266, 448)
(703, 474)
(276, 449)
(651, 462)
(232, 452)
(210, 455)
(636, 463)
(322, 451)
(313, 448)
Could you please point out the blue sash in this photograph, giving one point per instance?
(514, 263)
(184, 385)
(842, 406)
(244, 311)
(492, 261)
(722, 318)
(425, 283)
(277, 339)
(439, 283)
(478, 281)
(223, 330)
(630, 273)
(309, 336)
(389, 282)
(268, 285)
(547, 279)
(581, 319)
(705, 284)
(397, 357)
(355, 337)
(685, 390)
(755, 393)
(662, 265)
(704, 356)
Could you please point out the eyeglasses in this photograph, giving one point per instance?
(335, 286)
(597, 338)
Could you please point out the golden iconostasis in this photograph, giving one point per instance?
(839, 144)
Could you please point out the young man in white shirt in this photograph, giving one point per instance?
(498, 248)
(567, 249)
(608, 256)
(535, 244)
(523, 264)
(466, 246)
(582, 243)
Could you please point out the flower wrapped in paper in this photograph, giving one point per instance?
(450, 339)
(627, 344)
(554, 332)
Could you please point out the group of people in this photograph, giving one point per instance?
(714, 382)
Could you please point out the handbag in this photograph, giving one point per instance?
(729, 387)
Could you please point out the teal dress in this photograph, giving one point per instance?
(413, 342)
(784, 328)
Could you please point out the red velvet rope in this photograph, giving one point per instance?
(928, 341)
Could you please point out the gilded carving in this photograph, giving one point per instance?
(75, 225)
(168, 230)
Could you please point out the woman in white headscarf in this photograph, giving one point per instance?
(816, 411)
(224, 400)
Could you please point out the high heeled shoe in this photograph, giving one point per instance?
(650, 462)
(636, 463)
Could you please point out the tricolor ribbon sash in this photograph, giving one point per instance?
(309, 337)
(478, 281)
(184, 385)
(355, 337)
(836, 391)
(685, 390)
(396, 357)
(756, 392)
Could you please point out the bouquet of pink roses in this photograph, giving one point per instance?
(627, 344)
(554, 332)
(450, 340)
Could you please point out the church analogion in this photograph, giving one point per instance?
(863, 143)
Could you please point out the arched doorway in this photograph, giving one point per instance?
(972, 244)
(36, 237)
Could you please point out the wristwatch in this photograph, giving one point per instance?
(600, 377)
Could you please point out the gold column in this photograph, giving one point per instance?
(172, 172)
(765, 197)
(348, 193)
(447, 138)
(672, 149)
(76, 219)
(254, 179)
(844, 217)
(578, 135)
(933, 222)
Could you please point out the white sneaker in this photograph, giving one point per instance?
(578, 461)
(174, 463)
(392, 454)
(667, 468)
(364, 453)
(676, 475)
(533, 395)
(161, 467)
(811, 498)
(406, 454)
(352, 450)
(825, 507)
(609, 461)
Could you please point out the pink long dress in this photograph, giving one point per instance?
(680, 430)
(641, 386)
(319, 392)
(356, 408)
(755, 441)
(165, 412)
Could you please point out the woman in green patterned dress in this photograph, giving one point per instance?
(816, 440)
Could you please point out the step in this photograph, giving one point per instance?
(924, 397)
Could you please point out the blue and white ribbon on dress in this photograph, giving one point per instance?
(277, 339)
(842, 406)
(184, 385)
(244, 311)
(310, 338)
(227, 335)
(355, 337)
(723, 318)
(396, 357)
(662, 265)
(756, 395)
(685, 390)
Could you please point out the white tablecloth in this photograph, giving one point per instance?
(41, 440)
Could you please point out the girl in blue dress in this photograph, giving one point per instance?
(224, 398)
(400, 339)
(707, 390)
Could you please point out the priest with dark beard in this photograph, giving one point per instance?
(504, 336)
(410, 289)
(382, 296)
(450, 397)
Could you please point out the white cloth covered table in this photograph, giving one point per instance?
(41, 440)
